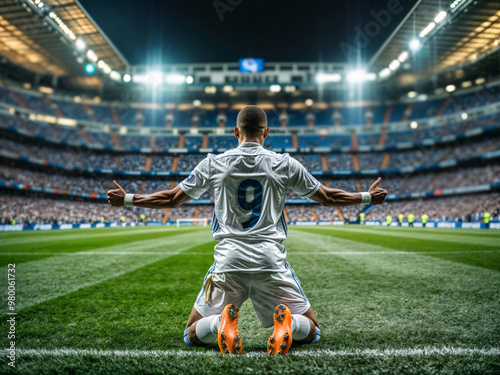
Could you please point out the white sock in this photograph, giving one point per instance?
(301, 327)
(208, 328)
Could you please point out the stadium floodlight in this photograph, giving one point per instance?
(415, 45)
(356, 76)
(328, 77)
(427, 29)
(89, 68)
(210, 90)
(91, 56)
(412, 94)
(80, 44)
(123, 130)
(275, 88)
(370, 76)
(466, 84)
(175, 79)
(127, 78)
(228, 88)
(386, 72)
(413, 124)
(139, 78)
(196, 103)
(479, 81)
(422, 97)
(440, 16)
(309, 102)
(290, 88)
(464, 116)
(77, 99)
(394, 65)
(403, 56)
(450, 88)
(189, 80)
(115, 75)
(154, 78)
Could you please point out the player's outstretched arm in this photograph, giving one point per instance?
(339, 198)
(159, 200)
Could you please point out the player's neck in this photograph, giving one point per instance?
(252, 140)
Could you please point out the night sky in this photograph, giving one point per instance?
(188, 31)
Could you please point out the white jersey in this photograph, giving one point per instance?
(250, 185)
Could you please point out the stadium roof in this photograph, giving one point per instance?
(41, 37)
(465, 31)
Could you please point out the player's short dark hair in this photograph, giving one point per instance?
(252, 120)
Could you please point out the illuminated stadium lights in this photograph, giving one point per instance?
(415, 45)
(328, 77)
(39, 3)
(127, 78)
(62, 25)
(275, 88)
(394, 65)
(175, 79)
(228, 88)
(386, 72)
(115, 75)
(440, 16)
(196, 103)
(91, 55)
(455, 4)
(290, 88)
(480, 81)
(309, 102)
(210, 90)
(154, 78)
(466, 84)
(80, 44)
(370, 76)
(189, 80)
(46, 90)
(464, 116)
(356, 76)
(414, 125)
(450, 88)
(412, 94)
(403, 56)
(89, 68)
(427, 29)
(139, 78)
(422, 97)
(123, 130)
(77, 99)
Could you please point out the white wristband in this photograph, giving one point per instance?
(366, 198)
(129, 200)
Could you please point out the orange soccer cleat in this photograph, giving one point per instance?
(228, 337)
(281, 339)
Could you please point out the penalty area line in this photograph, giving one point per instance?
(404, 352)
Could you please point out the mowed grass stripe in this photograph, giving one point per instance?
(81, 240)
(453, 231)
(432, 248)
(493, 241)
(46, 279)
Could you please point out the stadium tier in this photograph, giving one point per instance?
(453, 150)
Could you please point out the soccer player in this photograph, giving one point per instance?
(250, 185)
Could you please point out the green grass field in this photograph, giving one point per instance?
(389, 300)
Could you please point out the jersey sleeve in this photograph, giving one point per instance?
(301, 181)
(198, 181)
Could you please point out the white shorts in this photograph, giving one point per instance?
(265, 289)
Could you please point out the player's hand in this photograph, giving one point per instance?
(378, 194)
(116, 197)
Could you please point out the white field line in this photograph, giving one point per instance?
(289, 253)
(426, 351)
